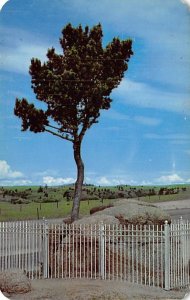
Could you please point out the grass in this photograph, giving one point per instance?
(62, 209)
(59, 207)
(165, 198)
(162, 198)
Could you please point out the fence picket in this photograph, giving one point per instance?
(150, 255)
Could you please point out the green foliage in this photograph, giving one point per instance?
(75, 85)
(40, 190)
(19, 201)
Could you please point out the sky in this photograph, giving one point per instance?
(143, 139)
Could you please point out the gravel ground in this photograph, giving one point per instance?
(89, 289)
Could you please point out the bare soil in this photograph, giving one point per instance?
(91, 289)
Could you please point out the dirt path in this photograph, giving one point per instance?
(84, 289)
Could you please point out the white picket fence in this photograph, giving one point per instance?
(153, 255)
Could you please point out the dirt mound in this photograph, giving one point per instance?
(80, 244)
(14, 281)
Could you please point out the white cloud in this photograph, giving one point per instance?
(169, 179)
(49, 180)
(48, 172)
(115, 115)
(105, 181)
(109, 180)
(25, 47)
(187, 2)
(7, 173)
(173, 139)
(19, 60)
(2, 3)
(147, 121)
(18, 182)
(166, 40)
(9, 177)
(180, 137)
(146, 182)
(156, 27)
(143, 95)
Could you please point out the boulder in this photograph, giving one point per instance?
(97, 219)
(132, 202)
(136, 212)
(14, 281)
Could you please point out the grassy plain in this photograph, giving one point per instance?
(56, 204)
(33, 210)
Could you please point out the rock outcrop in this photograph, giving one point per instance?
(14, 281)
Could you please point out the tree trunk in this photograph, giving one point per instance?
(79, 181)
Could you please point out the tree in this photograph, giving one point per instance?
(75, 86)
(40, 190)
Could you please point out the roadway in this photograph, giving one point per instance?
(177, 213)
(176, 209)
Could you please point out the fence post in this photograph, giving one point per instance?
(182, 250)
(182, 238)
(102, 251)
(167, 256)
(45, 248)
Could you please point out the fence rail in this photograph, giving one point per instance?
(151, 255)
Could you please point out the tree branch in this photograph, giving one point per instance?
(64, 137)
(83, 130)
(59, 129)
(53, 127)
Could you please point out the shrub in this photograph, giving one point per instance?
(19, 201)
(49, 200)
(89, 197)
(99, 208)
(40, 190)
(14, 281)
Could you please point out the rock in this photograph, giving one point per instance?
(14, 281)
(136, 212)
(97, 219)
(132, 202)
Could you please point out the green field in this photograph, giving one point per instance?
(34, 202)
(33, 210)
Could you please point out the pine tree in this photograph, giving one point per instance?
(75, 86)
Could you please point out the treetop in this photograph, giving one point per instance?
(76, 84)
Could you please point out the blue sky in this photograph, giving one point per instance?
(144, 138)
